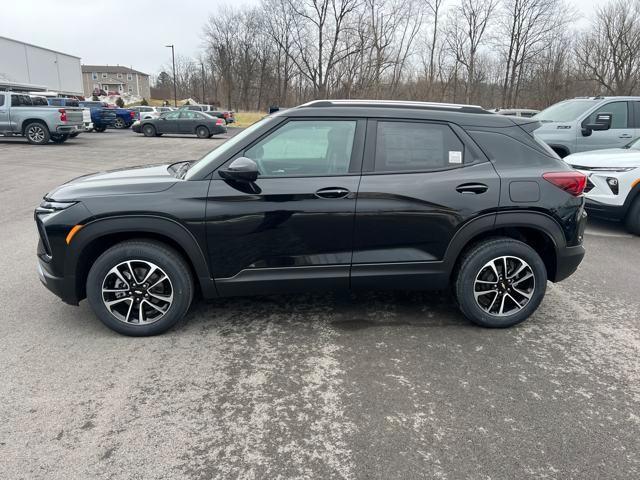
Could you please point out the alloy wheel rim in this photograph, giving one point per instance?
(137, 292)
(36, 133)
(504, 286)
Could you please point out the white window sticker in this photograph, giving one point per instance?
(455, 157)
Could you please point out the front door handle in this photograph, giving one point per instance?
(626, 135)
(332, 192)
(472, 188)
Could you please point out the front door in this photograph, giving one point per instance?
(622, 129)
(293, 227)
(420, 182)
(5, 124)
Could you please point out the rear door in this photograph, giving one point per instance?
(622, 129)
(4, 113)
(187, 121)
(421, 182)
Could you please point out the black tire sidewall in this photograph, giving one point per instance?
(476, 259)
(47, 134)
(167, 259)
(632, 220)
(149, 130)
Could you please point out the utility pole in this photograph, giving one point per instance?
(175, 89)
(203, 81)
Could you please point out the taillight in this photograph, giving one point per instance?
(133, 114)
(63, 114)
(572, 182)
(219, 121)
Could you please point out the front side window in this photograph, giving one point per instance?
(21, 101)
(306, 147)
(620, 111)
(415, 146)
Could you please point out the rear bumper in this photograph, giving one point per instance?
(567, 262)
(70, 128)
(63, 287)
(602, 210)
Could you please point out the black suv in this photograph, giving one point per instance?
(331, 194)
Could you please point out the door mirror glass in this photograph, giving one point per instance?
(242, 169)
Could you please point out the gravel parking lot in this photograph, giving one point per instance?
(374, 385)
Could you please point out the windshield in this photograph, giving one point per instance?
(202, 164)
(567, 111)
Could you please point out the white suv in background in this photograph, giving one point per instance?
(613, 185)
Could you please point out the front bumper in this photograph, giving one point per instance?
(63, 287)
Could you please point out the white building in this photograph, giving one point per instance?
(29, 67)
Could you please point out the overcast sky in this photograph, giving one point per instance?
(131, 33)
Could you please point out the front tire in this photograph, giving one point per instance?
(500, 282)
(140, 288)
(37, 133)
(149, 130)
(632, 220)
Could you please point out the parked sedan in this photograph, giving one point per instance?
(181, 121)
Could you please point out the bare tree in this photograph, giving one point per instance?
(609, 51)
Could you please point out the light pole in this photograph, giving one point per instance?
(203, 80)
(175, 89)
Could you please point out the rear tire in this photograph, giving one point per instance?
(99, 129)
(119, 124)
(632, 220)
(74, 134)
(149, 130)
(202, 132)
(511, 269)
(37, 133)
(118, 298)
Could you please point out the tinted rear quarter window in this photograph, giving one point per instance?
(505, 150)
(416, 146)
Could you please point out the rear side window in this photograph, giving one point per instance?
(507, 151)
(415, 146)
(56, 102)
(1, 100)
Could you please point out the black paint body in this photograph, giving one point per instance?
(388, 230)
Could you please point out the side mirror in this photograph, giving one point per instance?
(242, 169)
(603, 122)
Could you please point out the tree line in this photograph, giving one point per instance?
(495, 53)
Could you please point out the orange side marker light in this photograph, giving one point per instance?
(72, 233)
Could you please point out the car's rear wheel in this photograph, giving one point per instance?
(500, 282)
(37, 133)
(202, 132)
(119, 124)
(74, 134)
(59, 138)
(632, 220)
(140, 288)
(149, 130)
(100, 129)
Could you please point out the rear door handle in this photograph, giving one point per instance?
(472, 188)
(625, 135)
(332, 192)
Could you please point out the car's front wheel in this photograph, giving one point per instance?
(632, 220)
(140, 288)
(500, 282)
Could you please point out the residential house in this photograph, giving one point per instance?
(114, 79)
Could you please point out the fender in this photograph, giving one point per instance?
(492, 221)
(633, 194)
(143, 224)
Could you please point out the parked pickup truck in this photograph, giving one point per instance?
(39, 124)
(72, 102)
(101, 115)
(124, 117)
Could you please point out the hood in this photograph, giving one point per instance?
(612, 157)
(125, 181)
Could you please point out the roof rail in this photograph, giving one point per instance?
(397, 104)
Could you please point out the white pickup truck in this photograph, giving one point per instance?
(38, 123)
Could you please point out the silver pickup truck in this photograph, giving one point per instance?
(39, 124)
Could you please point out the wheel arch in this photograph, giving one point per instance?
(28, 121)
(99, 235)
(536, 229)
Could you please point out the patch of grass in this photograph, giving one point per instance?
(244, 119)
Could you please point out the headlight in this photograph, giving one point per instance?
(50, 206)
(611, 169)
